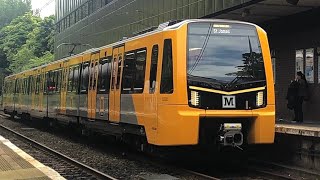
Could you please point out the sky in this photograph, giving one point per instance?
(47, 11)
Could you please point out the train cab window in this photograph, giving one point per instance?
(129, 69)
(104, 76)
(140, 71)
(166, 86)
(76, 74)
(85, 78)
(70, 79)
(153, 69)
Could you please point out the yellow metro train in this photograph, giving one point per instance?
(191, 82)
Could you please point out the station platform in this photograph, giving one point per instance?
(303, 129)
(16, 164)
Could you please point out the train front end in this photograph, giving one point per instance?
(228, 86)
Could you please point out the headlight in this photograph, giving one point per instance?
(194, 98)
(259, 99)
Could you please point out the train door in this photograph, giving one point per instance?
(115, 89)
(64, 82)
(93, 81)
(151, 108)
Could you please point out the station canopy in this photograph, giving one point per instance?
(258, 11)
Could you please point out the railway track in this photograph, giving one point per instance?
(255, 172)
(187, 174)
(283, 171)
(95, 174)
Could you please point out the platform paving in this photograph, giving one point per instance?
(302, 129)
(16, 164)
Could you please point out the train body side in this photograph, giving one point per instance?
(126, 89)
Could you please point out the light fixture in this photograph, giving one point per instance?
(194, 98)
(292, 2)
(259, 99)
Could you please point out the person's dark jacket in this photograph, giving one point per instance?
(303, 90)
(292, 94)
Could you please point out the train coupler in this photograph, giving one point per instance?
(230, 135)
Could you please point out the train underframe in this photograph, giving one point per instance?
(214, 133)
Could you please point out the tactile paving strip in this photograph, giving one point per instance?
(9, 160)
(16, 164)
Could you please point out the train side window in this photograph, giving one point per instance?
(70, 79)
(95, 75)
(42, 81)
(20, 86)
(166, 86)
(75, 78)
(25, 85)
(153, 69)
(16, 86)
(114, 64)
(51, 85)
(119, 71)
(37, 84)
(128, 75)
(29, 85)
(59, 80)
(140, 71)
(45, 90)
(85, 78)
(104, 76)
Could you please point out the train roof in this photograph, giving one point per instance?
(167, 26)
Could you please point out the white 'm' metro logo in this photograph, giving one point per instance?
(228, 102)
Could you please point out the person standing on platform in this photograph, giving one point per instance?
(301, 96)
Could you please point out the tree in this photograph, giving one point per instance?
(10, 9)
(38, 61)
(14, 36)
(42, 37)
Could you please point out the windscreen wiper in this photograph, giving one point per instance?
(231, 86)
(211, 82)
(204, 46)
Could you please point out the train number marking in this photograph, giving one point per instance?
(228, 102)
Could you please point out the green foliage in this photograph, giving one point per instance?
(38, 61)
(15, 35)
(26, 42)
(42, 36)
(10, 9)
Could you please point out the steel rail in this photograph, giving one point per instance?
(88, 169)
